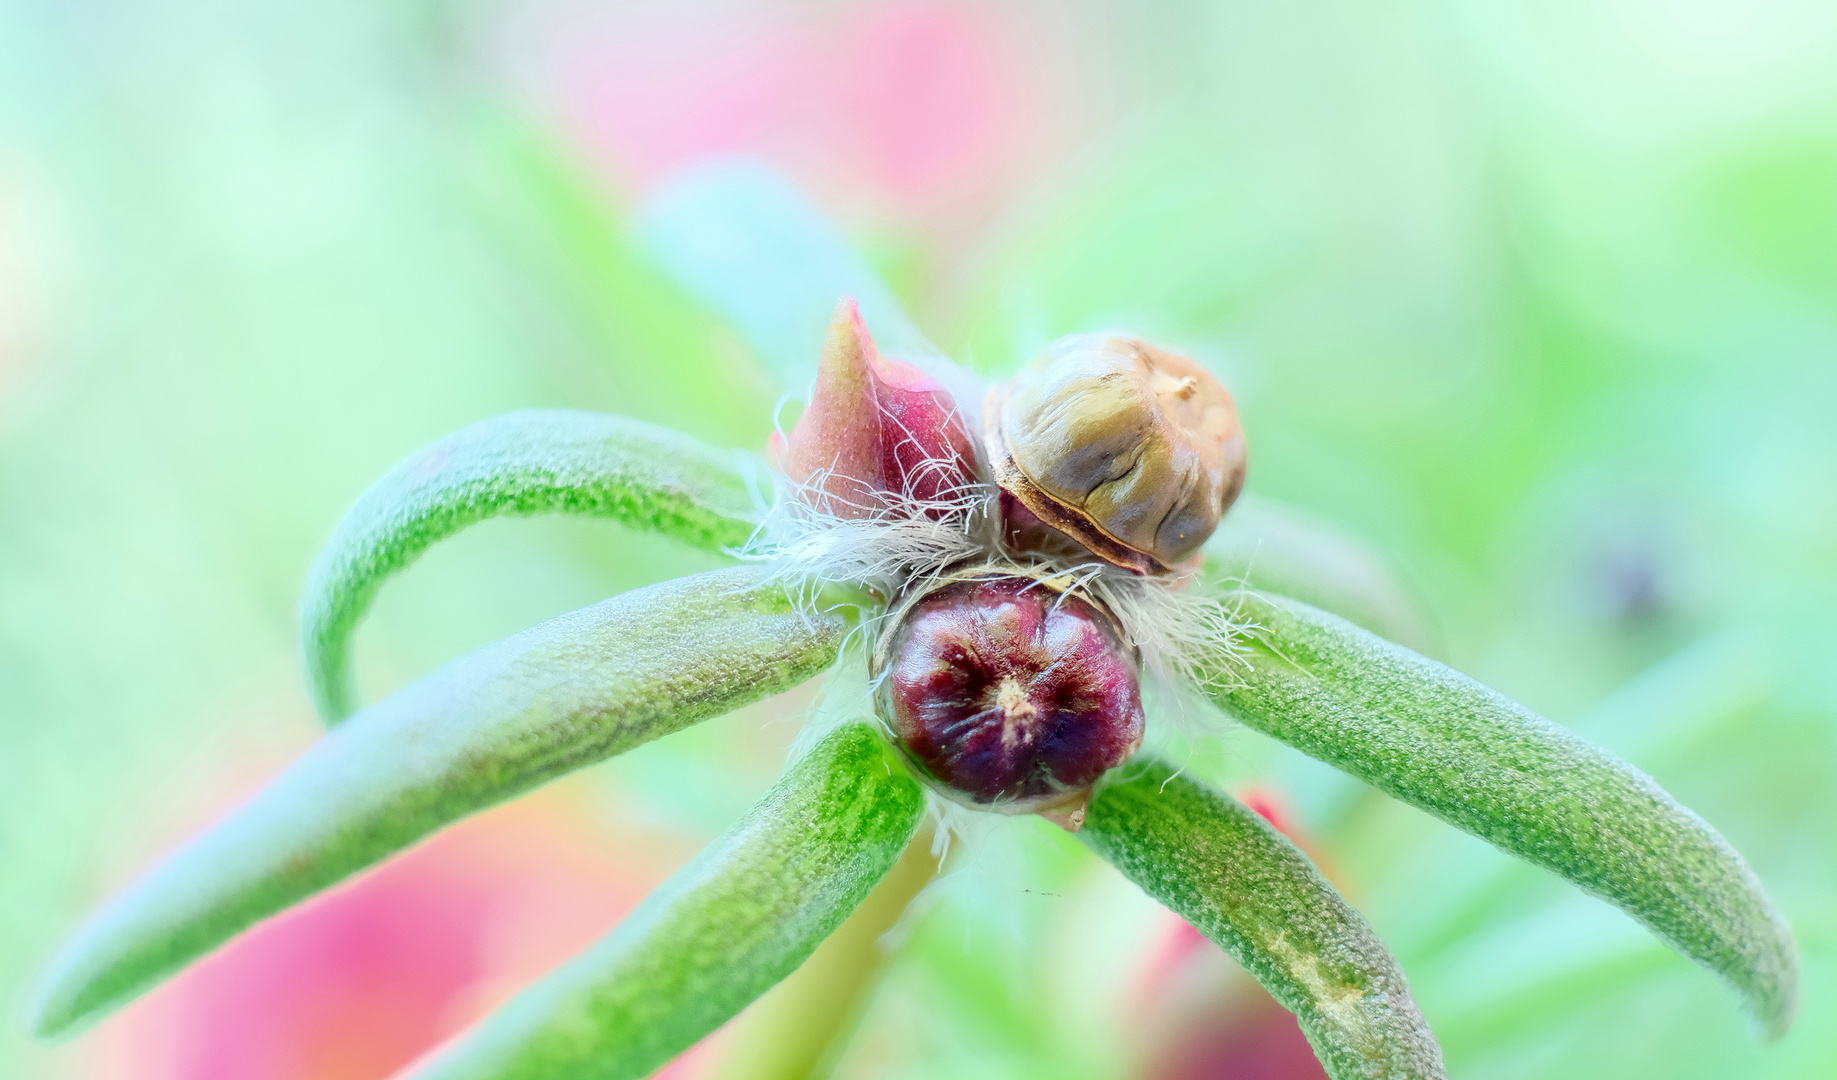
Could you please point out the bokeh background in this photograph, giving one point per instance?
(1537, 299)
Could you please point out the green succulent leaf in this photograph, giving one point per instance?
(531, 462)
(741, 237)
(1241, 883)
(489, 726)
(1436, 739)
(723, 931)
(1268, 546)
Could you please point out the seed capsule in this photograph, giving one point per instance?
(1010, 695)
(1133, 451)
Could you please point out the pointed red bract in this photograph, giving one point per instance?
(878, 432)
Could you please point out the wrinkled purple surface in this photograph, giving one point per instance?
(1007, 692)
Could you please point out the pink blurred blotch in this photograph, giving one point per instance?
(359, 982)
(910, 100)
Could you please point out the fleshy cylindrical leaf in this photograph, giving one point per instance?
(1238, 881)
(1438, 740)
(720, 933)
(531, 462)
(1265, 545)
(740, 236)
(491, 725)
(791, 1031)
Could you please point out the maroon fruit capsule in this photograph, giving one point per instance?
(1011, 695)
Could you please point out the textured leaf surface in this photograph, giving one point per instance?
(531, 462)
(498, 722)
(721, 932)
(1436, 739)
(1244, 885)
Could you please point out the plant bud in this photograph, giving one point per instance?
(1010, 694)
(1133, 451)
(876, 429)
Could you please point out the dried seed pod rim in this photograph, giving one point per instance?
(1080, 525)
(1010, 478)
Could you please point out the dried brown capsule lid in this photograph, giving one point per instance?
(1134, 451)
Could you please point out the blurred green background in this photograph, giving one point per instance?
(1537, 299)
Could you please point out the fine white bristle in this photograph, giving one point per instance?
(898, 546)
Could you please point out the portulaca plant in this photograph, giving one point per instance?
(1011, 589)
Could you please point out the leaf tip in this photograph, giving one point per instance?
(1776, 1006)
(58, 1009)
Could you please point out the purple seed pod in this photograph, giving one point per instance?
(1009, 693)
